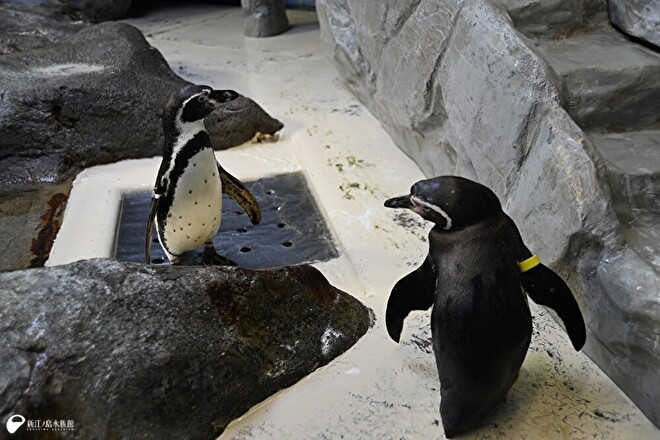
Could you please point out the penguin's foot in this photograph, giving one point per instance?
(174, 260)
(211, 258)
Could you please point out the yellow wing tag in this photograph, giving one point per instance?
(529, 263)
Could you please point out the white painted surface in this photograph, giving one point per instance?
(378, 389)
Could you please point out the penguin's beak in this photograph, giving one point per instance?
(218, 97)
(399, 202)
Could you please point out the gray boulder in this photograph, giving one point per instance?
(101, 10)
(264, 18)
(92, 10)
(639, 18)
(130, 351)
(556, 19)
(24, 27)
(237, 122)
(91, 98)
(461, 92)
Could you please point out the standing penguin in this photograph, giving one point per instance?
(474, 276)
(187, 199)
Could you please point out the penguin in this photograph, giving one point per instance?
(475, 276)
(187, 196)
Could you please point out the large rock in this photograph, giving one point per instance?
(608, 81)
(239, 121)
(101, 10)
(557, 18)
(92, 98)
(129, 351)
(264, 18)
(24, 27)
(639, 18)
(460, 91)
(93, 10)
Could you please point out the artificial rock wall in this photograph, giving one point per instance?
(460, 90)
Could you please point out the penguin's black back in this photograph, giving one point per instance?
(481, 322)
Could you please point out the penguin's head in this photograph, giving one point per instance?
(193, 103)
(450, 202)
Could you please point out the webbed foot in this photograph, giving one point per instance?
(211, 258)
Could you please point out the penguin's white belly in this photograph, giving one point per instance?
(195, 214)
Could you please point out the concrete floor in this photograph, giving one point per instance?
(378, 389)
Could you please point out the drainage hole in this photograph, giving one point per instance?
(279, 225)
(155, 240)
(246, 249)
(238, 212)
(241, 230)
(270, 192)
(158, 261)
(275, 208)
(287, 243)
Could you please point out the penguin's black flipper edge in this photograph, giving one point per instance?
(150, 224)
(546, 288)
(237, 191)
(415, 291)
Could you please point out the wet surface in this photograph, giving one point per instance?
(29, 223)
(47, 230)
(292, 230)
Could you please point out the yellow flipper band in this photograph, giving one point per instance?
(529, 263)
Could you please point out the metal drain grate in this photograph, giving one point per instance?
(292, 230)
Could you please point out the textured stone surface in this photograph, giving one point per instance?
(606, 80)
(639, 18)
(633, 168)
(101, 10)
(238, 121)
(632, 160)
(24, 27)
(556, 18)
(264, 18)
(92, 98)
(29, 222)
(129, 351)
(462, 93)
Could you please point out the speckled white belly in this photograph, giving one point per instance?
(195, 214)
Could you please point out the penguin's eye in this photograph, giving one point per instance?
(202, 98)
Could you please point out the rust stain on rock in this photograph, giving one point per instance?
(290, 303)
(47, 230)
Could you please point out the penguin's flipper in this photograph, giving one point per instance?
(237, 191)
(150, 223)
(547, 288)
(415, 291)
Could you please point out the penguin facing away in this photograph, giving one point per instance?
(187, 199)
(475, 276)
